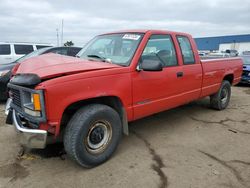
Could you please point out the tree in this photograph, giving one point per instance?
(69, 43)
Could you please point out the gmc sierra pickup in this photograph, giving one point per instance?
(117, 78)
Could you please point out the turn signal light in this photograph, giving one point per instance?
(36, 102)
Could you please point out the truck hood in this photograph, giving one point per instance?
(53, 65)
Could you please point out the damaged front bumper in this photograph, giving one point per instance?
(30, 138)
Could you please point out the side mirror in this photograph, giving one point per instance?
(151, 65)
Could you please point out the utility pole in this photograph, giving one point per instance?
(57, 37)
(62, 34)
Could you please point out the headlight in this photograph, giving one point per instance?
(2, 73)
(32, 104)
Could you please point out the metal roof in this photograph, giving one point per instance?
(213, 43)
(146, 31)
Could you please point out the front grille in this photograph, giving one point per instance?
(19, 94)
(16, 97)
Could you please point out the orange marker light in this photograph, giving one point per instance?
(36, 101)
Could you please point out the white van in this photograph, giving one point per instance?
(10, 52)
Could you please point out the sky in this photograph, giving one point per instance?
(38, 20)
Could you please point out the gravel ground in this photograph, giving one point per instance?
(190, 146)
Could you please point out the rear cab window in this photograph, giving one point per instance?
(23, 49)
(160, 47)
(5, 49)
(186, 50)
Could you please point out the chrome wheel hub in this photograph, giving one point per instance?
(99, 136)
(224, 96)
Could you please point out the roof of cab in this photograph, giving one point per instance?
(146, 31)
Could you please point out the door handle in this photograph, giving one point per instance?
(179, 74)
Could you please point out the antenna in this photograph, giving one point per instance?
(62, 34)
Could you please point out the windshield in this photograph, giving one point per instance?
(114, 48)
(32, 54)
(246, 60)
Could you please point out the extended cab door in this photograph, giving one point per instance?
(155, 91)
(191, 67)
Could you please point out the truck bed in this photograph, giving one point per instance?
(214, 70)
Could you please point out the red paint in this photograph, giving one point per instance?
(142, 93)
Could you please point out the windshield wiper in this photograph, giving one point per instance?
(103, 59)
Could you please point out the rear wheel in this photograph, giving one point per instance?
(93, 134)
(221, 99)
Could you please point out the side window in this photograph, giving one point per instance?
(186, 50)
(23, 49)
(160, 47)
(4, 49)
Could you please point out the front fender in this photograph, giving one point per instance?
(59, 96)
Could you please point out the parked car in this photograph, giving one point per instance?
(245, 79)
(5, 70)
(245, 53)
(119, 77)
(9, 52)
(202, 54)
(232, 53)
(215, 55)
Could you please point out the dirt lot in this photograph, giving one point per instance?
(191, 146)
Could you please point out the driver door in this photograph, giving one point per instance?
(155, 91)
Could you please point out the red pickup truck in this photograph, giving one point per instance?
(117, 78)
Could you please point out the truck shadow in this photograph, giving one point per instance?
(243, 85)
(2, 102)
(145, 124)
(51, 150)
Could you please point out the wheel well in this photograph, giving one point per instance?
(112, 101)
(229, 77)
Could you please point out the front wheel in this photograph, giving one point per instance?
(221, 99)
(92, 135)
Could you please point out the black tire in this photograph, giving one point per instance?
(88, 124)
(3, 86)
(220, 100)
(3, 95)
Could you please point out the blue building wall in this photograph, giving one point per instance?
(213, 43)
